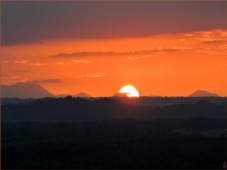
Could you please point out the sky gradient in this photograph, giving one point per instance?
(162, 48)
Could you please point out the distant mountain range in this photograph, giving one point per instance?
(81, 94)
(34, 90)
(31, 90)
(24, 90)
(203, 93)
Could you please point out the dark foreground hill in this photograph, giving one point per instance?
(77, 109)
(130, 144)
(108, 133)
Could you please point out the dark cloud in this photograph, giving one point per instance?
(46, 81)
(112, 53)
(87, 54)
(25, 22)
(213, 41)
(91, 53)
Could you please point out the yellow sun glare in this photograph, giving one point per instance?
(129, 90)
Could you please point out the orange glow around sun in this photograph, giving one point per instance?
(161, 65)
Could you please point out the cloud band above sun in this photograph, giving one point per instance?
(103, 19)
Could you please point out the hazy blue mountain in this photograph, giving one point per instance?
(203, 93)
(24, 90)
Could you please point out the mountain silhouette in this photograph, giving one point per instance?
(24, 90)
(71, 109)
(81, 95)
(203, 93)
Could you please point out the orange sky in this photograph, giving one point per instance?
(165, 65)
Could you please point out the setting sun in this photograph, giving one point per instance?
(129, 90)
(113, 84)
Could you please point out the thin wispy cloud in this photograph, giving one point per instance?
(211, 52)
(21, 61)
(206, 34)
(182, 40)
(171, 50)
(148, 56)
(86, 54)
(93, 75)
(222, 47)
(211, 37)
(213, 41)
(133, 58)
(82, 61)
(188, 35)
(62, 63)
(181, 48)
(224, 34)
(37, 64)
(92, 54)
(27, 62)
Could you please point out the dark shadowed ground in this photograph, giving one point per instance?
(108, 133)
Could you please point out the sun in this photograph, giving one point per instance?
(129, 90)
